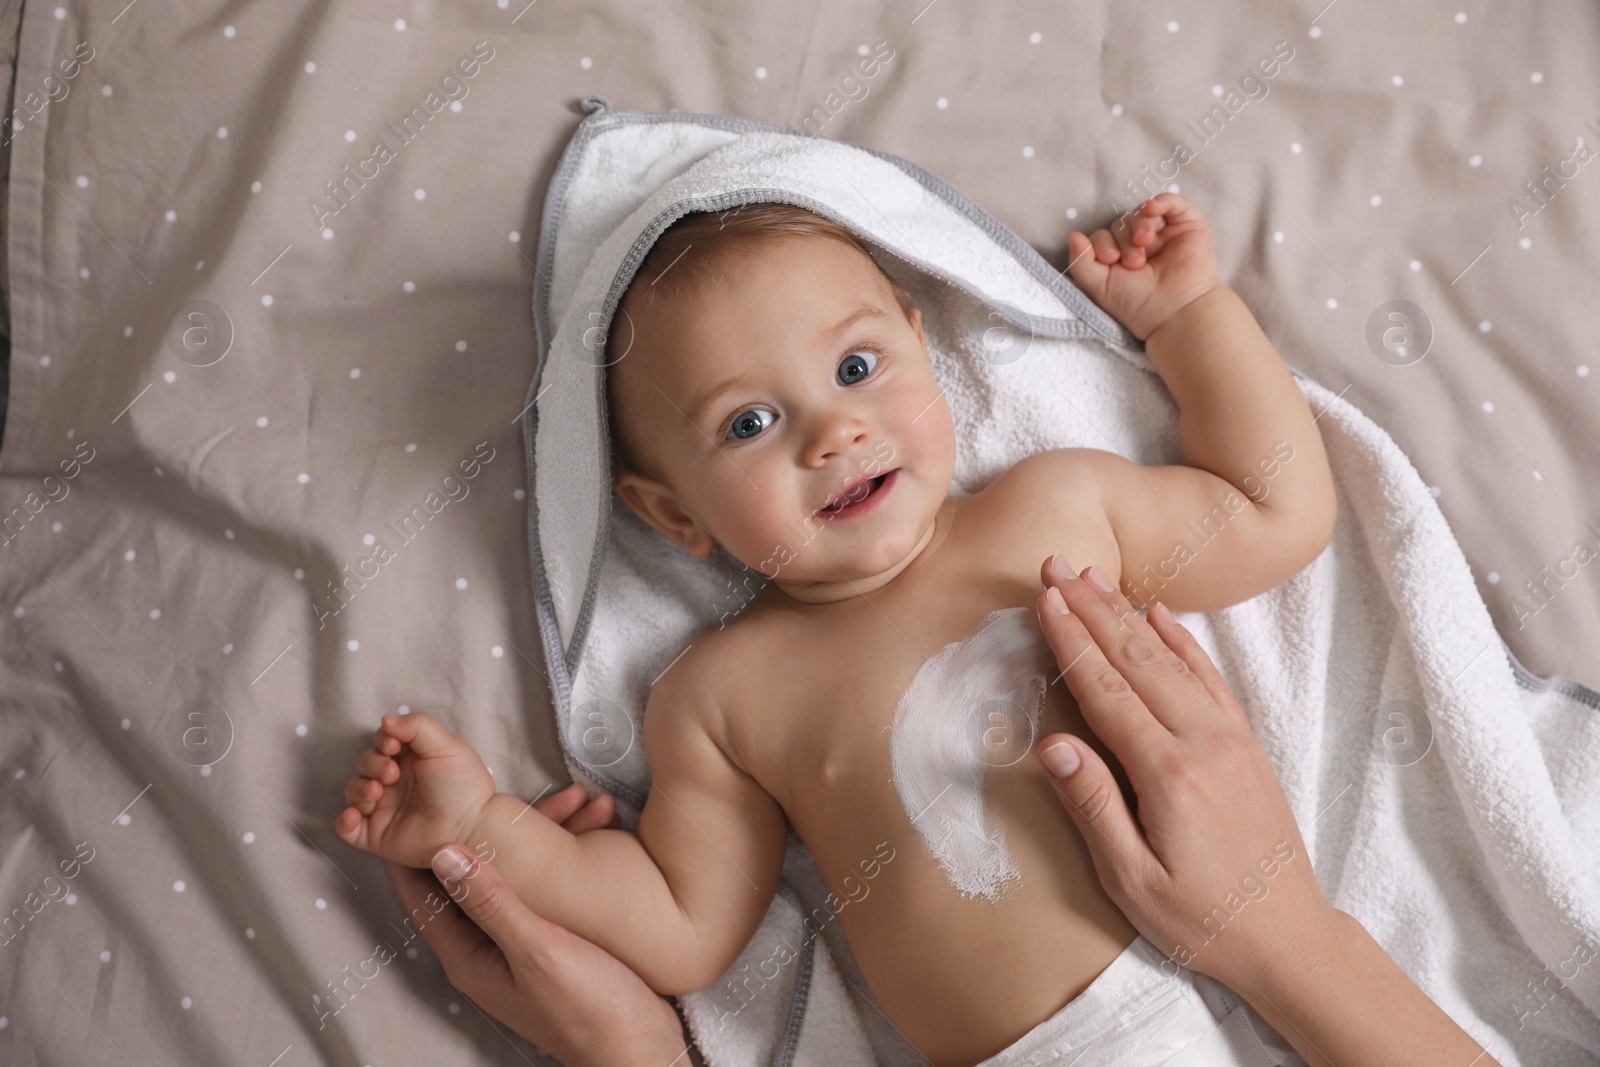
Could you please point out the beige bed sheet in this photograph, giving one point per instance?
(181, 525)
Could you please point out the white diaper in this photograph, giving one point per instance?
(1138, 1013)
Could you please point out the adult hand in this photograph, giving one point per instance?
(565, 994)
(1214, 851)
(1213, 871)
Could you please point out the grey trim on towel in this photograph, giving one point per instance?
(783, 1055)
(1567, 687)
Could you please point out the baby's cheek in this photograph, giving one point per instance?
(930, 441)
(749, 520)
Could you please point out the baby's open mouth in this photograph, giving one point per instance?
(859, 497)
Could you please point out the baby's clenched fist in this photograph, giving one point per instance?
(1147, 265)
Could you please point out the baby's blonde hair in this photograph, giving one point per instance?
(690, 254)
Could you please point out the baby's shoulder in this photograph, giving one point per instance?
(725, 652)
(720, 657)
(1057, 478)
(1048, 502)
(730, 669)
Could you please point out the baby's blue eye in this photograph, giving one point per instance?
(748, 423)
(856, 366)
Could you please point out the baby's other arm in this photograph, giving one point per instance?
(1254, 501)
(679, 901)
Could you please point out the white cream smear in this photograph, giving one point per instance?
(972, 705)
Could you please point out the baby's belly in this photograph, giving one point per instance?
(961, 975)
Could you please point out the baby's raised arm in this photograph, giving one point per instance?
(1253, 502)
(679, 901)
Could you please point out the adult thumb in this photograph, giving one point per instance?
(484, 895)
(1093, 799)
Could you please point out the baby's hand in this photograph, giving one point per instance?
(1166, 261)
(420, 787)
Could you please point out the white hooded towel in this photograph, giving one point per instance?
(1449, 799)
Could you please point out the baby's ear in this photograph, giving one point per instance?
(656, 504)
(914, 316)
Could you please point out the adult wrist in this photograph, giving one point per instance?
(1306, 957)
(670, 1049)
(665, 1045)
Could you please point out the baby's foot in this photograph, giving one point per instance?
(419, 787)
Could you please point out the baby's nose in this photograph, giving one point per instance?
(838, 434)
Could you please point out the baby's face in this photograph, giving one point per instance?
(769, 397)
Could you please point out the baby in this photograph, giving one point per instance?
(775, 397)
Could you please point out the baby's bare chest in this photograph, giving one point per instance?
(820, 704)
(848, 725)
(899, 738)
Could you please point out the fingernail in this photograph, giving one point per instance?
(1161, 612)
(1098, 579)
(1060, 759)
(1052, 597)
(451, 864)
(1064, 568)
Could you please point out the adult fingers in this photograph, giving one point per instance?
(447, 931)
(575, 811)
(1110, 707)
(596, 814)
(562, 805)
(426, 904)
(1183, 643)
(558, 990)
(485, 897)
(1132, 648)
(1089, 792)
